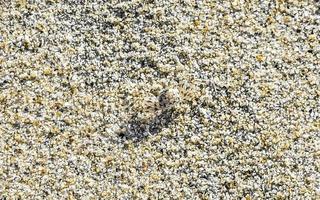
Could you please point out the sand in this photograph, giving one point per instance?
(160, 99)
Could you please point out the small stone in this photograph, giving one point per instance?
(260, 58)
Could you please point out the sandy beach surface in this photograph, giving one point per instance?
(160, 99)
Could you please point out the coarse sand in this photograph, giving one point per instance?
(160, 99)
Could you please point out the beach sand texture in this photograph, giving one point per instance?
(160, 99)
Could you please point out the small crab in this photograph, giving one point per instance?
(153, 116)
